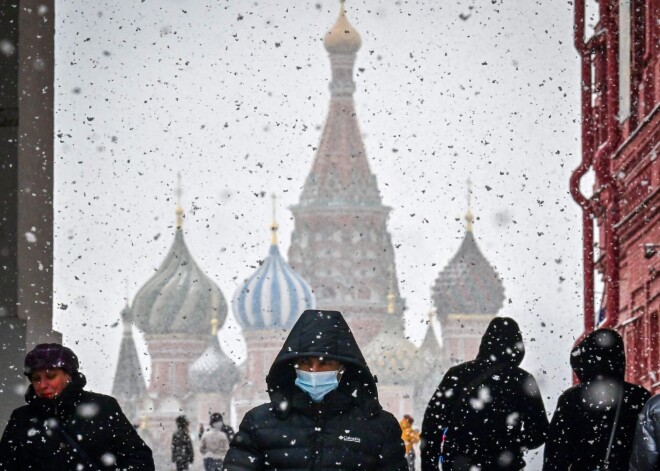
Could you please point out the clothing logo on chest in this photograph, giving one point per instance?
(346, 438)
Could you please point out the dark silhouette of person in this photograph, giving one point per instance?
(579, 434)
(485, 412)
(183, 453)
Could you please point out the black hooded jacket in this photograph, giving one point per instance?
(582, 423)
(487, 410)
(32, 441)
(348, 430)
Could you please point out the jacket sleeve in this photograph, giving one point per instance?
(393, 452)
(647, 438)
(244, 453)
(560, 443)
(435, 421)
(535, 420)
(129, 449)
(9, 446)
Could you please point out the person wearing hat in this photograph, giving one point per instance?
(183, 453)
(66, 428)
(323, 412)
(214, 443)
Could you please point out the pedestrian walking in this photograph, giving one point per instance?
(485, 412)
(410, 437)
(594, 423)
(64, 427)
(647, 438)
(323, 412)
(183, 454)
(214, 444)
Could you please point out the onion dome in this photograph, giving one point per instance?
(128, 381)
(274, 296)
(429, 353)
(468, 284)
(342, 38)
(213, 371)
(179, 298)
(390, 355)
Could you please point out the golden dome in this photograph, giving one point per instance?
(342, 38)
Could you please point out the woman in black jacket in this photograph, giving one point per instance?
(579, 434)
(324, 412)
(64, 427)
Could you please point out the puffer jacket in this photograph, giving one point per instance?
(347, 431)
(581, 426)
(32, 441)
(485, 412)
(647, 438)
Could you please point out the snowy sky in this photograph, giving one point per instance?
(234, 95)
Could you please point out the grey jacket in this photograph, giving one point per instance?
(647, 438)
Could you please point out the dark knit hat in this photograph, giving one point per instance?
(51, 355)
(215, 417)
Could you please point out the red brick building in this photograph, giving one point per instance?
(621, 218)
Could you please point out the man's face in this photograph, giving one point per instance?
(316, 364)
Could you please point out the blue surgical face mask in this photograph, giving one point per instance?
(317, 384)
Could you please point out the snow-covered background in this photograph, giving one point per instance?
(234, 95)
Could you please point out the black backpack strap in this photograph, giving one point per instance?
(606, 463)
(73, 444)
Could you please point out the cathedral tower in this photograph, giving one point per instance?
(340, 243)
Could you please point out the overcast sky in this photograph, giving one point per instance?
(234, 95)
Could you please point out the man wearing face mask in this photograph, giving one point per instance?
(324, 412)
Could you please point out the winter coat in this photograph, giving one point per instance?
(487, 411)
(32, 441)
(214, 443)
(409, 435)
(182, 449)
(347, 431)
(580, 430)
(647, 438)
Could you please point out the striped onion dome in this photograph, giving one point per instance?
(213, 371)
(179, 298)
(273, 297)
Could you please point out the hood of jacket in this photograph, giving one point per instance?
(600, 354)
(502, 342)
(321, 334)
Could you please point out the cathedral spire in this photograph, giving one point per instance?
(179, 209)
(469, 217)
(274, 226)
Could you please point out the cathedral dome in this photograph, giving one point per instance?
(179, 298)
(342, 38)
(468, 284)
(273, 297)
(213, 371)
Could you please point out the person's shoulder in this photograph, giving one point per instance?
(22, 412)
(102, 400)
(638, 392)
(262, 411)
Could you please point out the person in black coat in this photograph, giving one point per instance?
(485, 412)
(646, 445)
(65, 428)
(324, 412)
(579, 434)
(183, 453)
